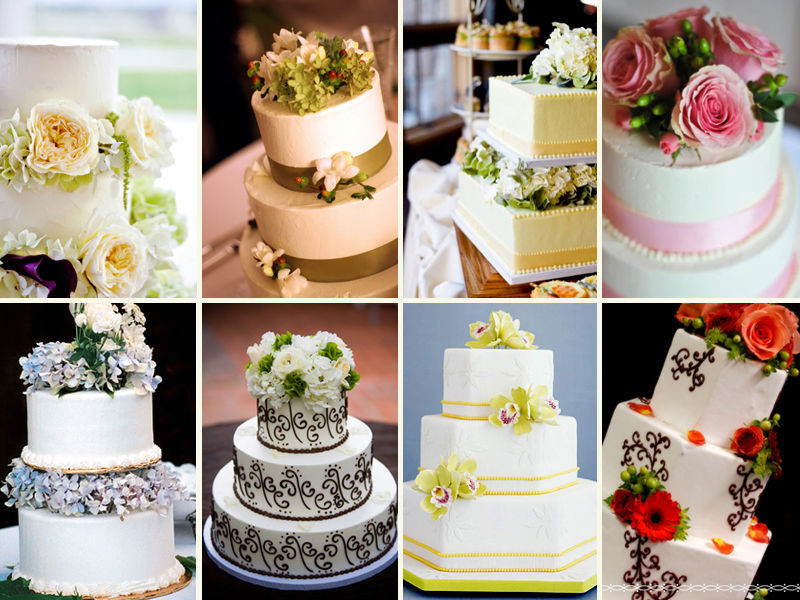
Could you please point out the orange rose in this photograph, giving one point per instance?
(689, 311)
(748, 441)
(722, 316)
(767, 328)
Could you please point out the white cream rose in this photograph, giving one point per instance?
(64, 139)
(101, 317)
(114, 258)
(149, 138)
(290, 359)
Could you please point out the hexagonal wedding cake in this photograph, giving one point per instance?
(683, 471)
(498, 504)
(93, 499)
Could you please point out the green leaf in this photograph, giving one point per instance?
(759, 97)
(331, 351)
(787, 98)
(265, 363)
(17, 589)
(765, 115)
(189, 562)
(351, 380)
(282, 340)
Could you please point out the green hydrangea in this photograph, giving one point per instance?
(14, 144)
(148, 201)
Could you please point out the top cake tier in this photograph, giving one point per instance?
(703, 389)
(473, 376)
(540, 120)
(34, 70)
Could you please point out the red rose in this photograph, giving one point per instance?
(767, 329)
(689, 311)
(624, 504)
(657, 518)
(748, 441)
(722, 316)
(772, 440)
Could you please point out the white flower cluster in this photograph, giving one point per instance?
(115, 339)
(570, 57)
(517, 183)
(290, 282)
(315, 368)
(152, 488)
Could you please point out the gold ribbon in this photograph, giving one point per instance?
(369, 162)
(349, 267)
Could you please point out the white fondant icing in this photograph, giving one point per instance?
(97, 555)
(297, 427)
(90, 430)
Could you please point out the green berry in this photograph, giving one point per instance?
(794, 372)
(652, 482)
(632, 470)
(767, 369)
(625, 476)
(638, 488)
(638, 121)
(763, 592)
(697, 323)
(765, 425)
(781, 79)
(783, 355)
(705, 47)
(645, 100)
(697, 63)
(776, 417)
(687, 321)
(737, 339)
(686, 26)
(659, 110)
(783, 365)
(767, 78)
(644, 471)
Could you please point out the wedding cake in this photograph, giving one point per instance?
(324, 193)
(498, 496)
(525, 197)
(699, 198)
(93, 499)
(79, 215)
(683, 471)
(303, 497)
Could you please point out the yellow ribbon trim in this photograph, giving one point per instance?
(449, 416)
(500, 554)
(539, 493)
(465, 403)
(556, 570)
(540, 478)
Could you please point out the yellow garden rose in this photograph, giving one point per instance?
(114, 258)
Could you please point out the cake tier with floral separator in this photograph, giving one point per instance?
(702, 388)
(307, 486)
(97, 555)
(717, 486)
(635, 567)
(547, 533)
(90, 431)
(539, 462)
(304, 549)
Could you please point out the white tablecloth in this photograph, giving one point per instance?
(432, 266)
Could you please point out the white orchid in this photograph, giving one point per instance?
(291, 283)
(287, 40)
(332, 170)
(266, 256)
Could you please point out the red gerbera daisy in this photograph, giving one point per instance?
(657, 518)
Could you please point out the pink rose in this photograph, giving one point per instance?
(622, 117)
(669, 143)
(744, 49)
(667, 26)
(714, 109)
(767, 329)
(634, 64)
(759, 133)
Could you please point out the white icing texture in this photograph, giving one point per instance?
(298, 427)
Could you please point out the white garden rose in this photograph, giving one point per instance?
(114, 257)
(149, 138)
(101, 317)
(64, 139)
(290, 359)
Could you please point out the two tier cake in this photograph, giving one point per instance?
(94, 501)
(324, 194)
(683, 471)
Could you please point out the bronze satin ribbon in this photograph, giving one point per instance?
(369, 162)
(349, 267)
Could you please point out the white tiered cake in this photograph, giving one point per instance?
(303, 486)
(79, 215)
(706, 441)
(509, 510)
(94, 502)
(324, 194)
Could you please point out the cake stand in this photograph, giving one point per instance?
(282, 583)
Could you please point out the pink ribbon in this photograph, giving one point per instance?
(671, 236)
(777, 288)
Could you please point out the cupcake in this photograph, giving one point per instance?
(480, 37)
(462, 35)
(501, 38)
(527, 37)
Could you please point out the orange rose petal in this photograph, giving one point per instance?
(642, 409)
(722, 546)
(696, 437)
(758, 532)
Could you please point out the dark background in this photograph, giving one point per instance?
(170, 331)
(636, 338)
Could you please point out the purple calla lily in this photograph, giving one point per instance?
(58, 276)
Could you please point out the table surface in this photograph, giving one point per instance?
(217, 451)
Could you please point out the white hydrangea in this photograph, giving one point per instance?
(570, 57)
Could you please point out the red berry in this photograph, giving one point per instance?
(333, 75)
(298, 180)
(342, 53)
(251, 64)
(280, 260)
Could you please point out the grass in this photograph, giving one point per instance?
(175, 90)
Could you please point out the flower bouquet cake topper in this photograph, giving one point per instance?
(450, 481)
(691, 82)
(763, 332)
(501, 330)
(525, 407)
(570, 59)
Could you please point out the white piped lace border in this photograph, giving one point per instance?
(105, 463)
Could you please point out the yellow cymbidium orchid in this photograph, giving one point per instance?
(525, 407)
(468, 485)
(502, 330)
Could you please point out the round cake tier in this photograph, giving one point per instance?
(307, 487)
(472, 377)
(763, 265)
(346, 239)
(297, 427)
(90, 431)
(97, 555)
(379, 285)
(52, 212)
(355, 124)
(34, 70)
(304, 549)
(542, 461)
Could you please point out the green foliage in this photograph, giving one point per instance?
(294, 384)
(482, 161)
(265, 363)
(351, 380)
(331, 351)
(682, 530)
(125, 148)
(737, 350)
(189, 562)
(282, 340)
(149, 201)
(17, 589)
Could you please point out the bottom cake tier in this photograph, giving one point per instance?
(549, 533)
(631, 563)
(763, 265)
(304, 549)
(383, 284)
(97, 555)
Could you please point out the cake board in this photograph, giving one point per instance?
(579, 578)
(483, 133)
(282, 583)
(502, 269)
